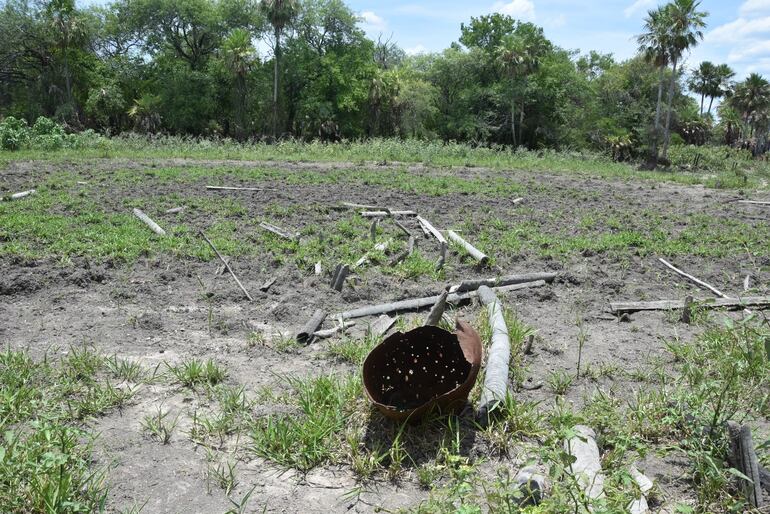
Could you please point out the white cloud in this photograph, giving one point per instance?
(520, 9)
(556, 22)
(416, 50)
(751, 50)
(372, 23)
(637, 6)
(739, 30)
(754, 6)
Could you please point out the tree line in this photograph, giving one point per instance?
(193, 67)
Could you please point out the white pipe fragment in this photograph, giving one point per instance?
(147, 221)
(472, 250)
(640, 505)
(23, 194)
(499, 357)
(587, 466)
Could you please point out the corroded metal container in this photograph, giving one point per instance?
(409, 373)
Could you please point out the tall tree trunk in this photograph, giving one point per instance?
(521, 123)
(711, 101)
(667, 139)
(276, 70)
(656, 135)
(513, 120)
(702, 97)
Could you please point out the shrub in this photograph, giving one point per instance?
(47, 134)
(14, 133)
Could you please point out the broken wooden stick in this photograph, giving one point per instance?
(420, 303)
(442, 256)
(268, 284)
(20, 195)
(279, 231)
(232, 188)
(472, 250)
(329, 332)
(227, 265)
(313, 324)
(406, 253)
(386, 214)
(753, 202)
(339, 279)
(175, 210)
(693, 279)
(381, 326)
(431, 229)
(147, 221)
(437, 311)
(517, 201)
(472, 285)
(586, 467)
(402, 227)
(499, 357)
(743, 457)
(670, 305)
(349, 205)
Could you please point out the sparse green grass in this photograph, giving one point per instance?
(195, 372)
(160, 425)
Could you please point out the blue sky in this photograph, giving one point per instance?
(738, 31)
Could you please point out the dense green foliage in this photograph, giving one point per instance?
(191, 67)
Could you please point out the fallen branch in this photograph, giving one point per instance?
(175, 210)
(472, 285)
(420, 303)
(386, 214)
(349, 205)
(278, 231)
(381, 326)
(753, 202)
(313, 324)
(670, 305)
(437, 311)
(230, 188)
(693, 279)
(406, 253)
(499, 357)
(586, 467)
(147, 221)
(325, 334)
(229, 269)
(431, 229)
(472, 250)
(517, 201)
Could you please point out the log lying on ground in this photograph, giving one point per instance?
(350, 205)
(339, 278)
(279, 231)
(175, 210)
(499, 357)
(587, 465)
(670, 305)
(386, 214)
(693, 279)
(325, 334)
(22, 194)
(147, 221)
(437, 311)
(227, 265)
(402, 228)
(431, 229)
(472, 285)
(640, 505)
(743, 457)
(420, 303)
(231, 188)
(313, 324)
(472, 250)
(753, 202)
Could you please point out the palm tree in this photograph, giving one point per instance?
(703, 81)
(280, 13)
(654, 46)
(723, 76)
(65, 20)
(239, 55)
(685, 27)
(751, 99)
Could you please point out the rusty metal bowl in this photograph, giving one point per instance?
(408, 374)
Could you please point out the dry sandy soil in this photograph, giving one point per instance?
(153, 311)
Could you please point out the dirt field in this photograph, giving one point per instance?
(166, 306)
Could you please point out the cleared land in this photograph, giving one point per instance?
(199, 400)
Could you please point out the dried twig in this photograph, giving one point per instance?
(229, 269)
